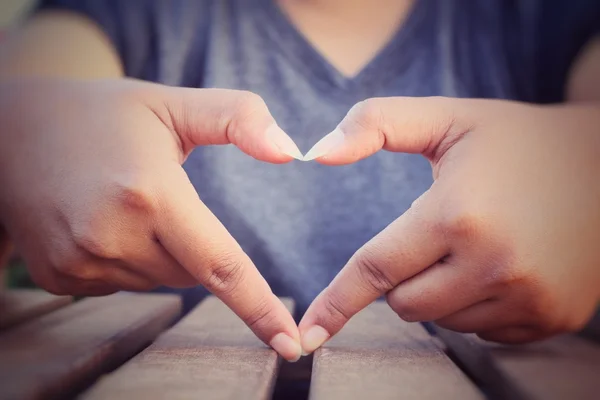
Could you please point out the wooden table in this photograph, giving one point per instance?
(124, 346)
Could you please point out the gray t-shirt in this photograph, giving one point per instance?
(301, 222)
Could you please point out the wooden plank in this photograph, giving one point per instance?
(17, 306)
(479, 363)
(379, 356)
(210, 354)
(60, 353)
(564, 367)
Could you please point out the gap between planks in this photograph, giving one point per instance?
(563, 367)
(379, 356)
(209, 354)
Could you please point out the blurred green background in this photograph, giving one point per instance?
(11, 12)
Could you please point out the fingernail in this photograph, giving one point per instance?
(283, 142)
(287, 347)
(313, 339)
(325, 145)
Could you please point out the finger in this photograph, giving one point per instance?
(487, 315)
(158, 265)
(199, 242)
(100, 277)
(442, 289)
(406, 247)
(219, 116)
(61, 284)
(427, 125)
(70, 287)
(514, 335)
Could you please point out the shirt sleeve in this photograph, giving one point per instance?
(130, 25)
(563, 28)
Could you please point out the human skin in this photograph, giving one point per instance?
(96, 200)
(504, 243)
(65, 100)
(56, 45)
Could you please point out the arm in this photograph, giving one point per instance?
(86, 168)
(59, 44)
(56, 44)
(584, 80)
(504, 243)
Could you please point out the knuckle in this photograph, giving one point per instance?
(51, 285)
(250, 110)
(248, 104)
(225, 274)
(261, 315)
(366, 114)
(405, 307)
(72, 264)
(335, 311)
(249, 101)
(465, 224)
(506, 276)
(372, 271)
(134, 193)
(95, 242)
(72, 269)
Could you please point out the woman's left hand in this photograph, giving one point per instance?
(505, 243)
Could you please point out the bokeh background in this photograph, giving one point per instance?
(11, 12)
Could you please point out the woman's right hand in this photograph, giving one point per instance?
(95, 198)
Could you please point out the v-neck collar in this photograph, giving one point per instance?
(386, 64)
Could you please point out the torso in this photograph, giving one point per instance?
(300, 222)
(347, 33)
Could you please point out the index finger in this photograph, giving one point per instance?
(406, 247)
(201, 244)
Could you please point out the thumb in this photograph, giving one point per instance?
(424, 125)
(202, 117)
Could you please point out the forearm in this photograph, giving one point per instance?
(584, 80)
(54, 45)
(58, 44)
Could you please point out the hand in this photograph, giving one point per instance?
(505, 243)
(5, 252)
(96, 200)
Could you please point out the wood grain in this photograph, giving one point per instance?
(18, 306)
(379, 356)
(565, 367)
(210, 354)
(59, 353)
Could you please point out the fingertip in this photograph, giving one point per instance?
(283, 144)
(277, 328)
(341, 148)
(329, 144)
(313, 338)
(287, 347)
